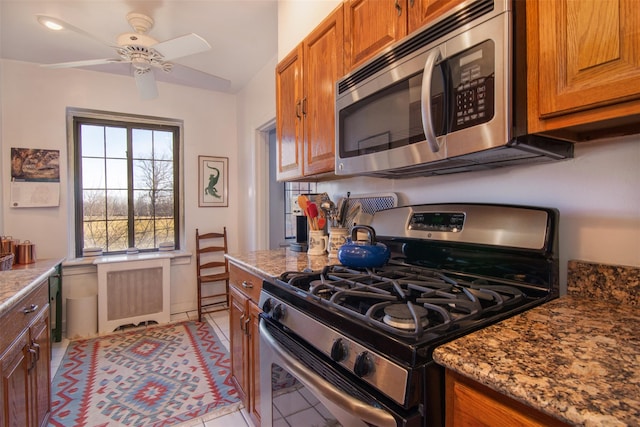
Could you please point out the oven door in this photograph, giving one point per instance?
(298, 388)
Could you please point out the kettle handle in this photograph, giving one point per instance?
(370, 231)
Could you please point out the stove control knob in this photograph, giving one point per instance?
(363, 365)
(267, 305)
(278, 312)
(339, 350)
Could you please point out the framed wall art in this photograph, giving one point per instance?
(213, 173)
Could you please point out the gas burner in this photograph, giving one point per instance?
(403, 316)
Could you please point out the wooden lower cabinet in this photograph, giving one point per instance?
(469, 403)
(25, 361)
(244, 293)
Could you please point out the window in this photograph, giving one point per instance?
(126, 183)
(291, 192)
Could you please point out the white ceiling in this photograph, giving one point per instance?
(242, 33)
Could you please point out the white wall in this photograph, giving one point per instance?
(33, 116)
(256, 112)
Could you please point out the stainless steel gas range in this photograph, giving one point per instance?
(353, 347)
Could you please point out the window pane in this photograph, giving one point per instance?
(142, 144)
(95, 234)
(164, 204)
(116, 142)
(164, 230)
(117, 202)
(117, 173)
(164, 175)
(143, 203)
(92, 140)
(93, 205)
(93, 173)
(163, 145)
(144, 233)
(117, 236)
(143, 174)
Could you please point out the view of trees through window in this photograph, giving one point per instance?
(126, 185)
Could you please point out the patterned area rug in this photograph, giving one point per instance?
(159, 376)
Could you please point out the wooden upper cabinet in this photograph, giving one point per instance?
(289, 132)
(370, 26)
(583, 62)
(323, 66)
(422, 12)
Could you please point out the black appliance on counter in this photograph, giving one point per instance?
(357, 345)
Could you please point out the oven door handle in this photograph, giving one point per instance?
(317, 384)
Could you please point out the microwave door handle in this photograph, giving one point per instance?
(425, 100)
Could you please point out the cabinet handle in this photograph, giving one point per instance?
(36, 346)
(247, 285)
(242, 323)
(298, 109)
(398, 8)
(33, 358)
(246, 327)
(304, 106)
(30, 309)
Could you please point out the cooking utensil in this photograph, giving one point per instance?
(312, 213)
(322, 221)
(363, 253)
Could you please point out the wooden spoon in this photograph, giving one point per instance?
(303, 202)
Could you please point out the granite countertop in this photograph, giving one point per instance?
(271, 263)
(22, 279)
(576, 358)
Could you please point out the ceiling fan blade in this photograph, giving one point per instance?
(44, 19)
(188, 44)
(146, 83)
(86, 63)
(186, 76)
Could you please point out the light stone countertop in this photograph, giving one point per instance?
(576, 358)
(22, 279)
(272, 263)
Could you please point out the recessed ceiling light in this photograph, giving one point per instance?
(50, 23)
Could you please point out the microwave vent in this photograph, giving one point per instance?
(433, 32)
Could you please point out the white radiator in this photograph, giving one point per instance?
(133, 290)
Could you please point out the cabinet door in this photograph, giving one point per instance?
(370, 26)
(289, 121)
(469, 403)
(40, 372)
(323, 66)
(584, 57)
(237, 318)
(421, 12)
(254, 357)
(14, 366)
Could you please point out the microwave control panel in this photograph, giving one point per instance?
(472, 75)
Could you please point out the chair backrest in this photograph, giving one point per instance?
(210, 250)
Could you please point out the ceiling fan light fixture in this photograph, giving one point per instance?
(50, 23)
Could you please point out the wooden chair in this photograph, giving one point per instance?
(212, 267)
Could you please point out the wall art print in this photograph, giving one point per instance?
(35, 177)
(213, 173)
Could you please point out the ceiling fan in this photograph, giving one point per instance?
(145, 54)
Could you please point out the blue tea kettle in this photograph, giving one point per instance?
(363, 253)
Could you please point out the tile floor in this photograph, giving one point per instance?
(220, 323)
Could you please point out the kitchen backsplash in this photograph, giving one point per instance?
(613, 283)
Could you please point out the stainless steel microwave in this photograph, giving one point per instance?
(450, 98)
